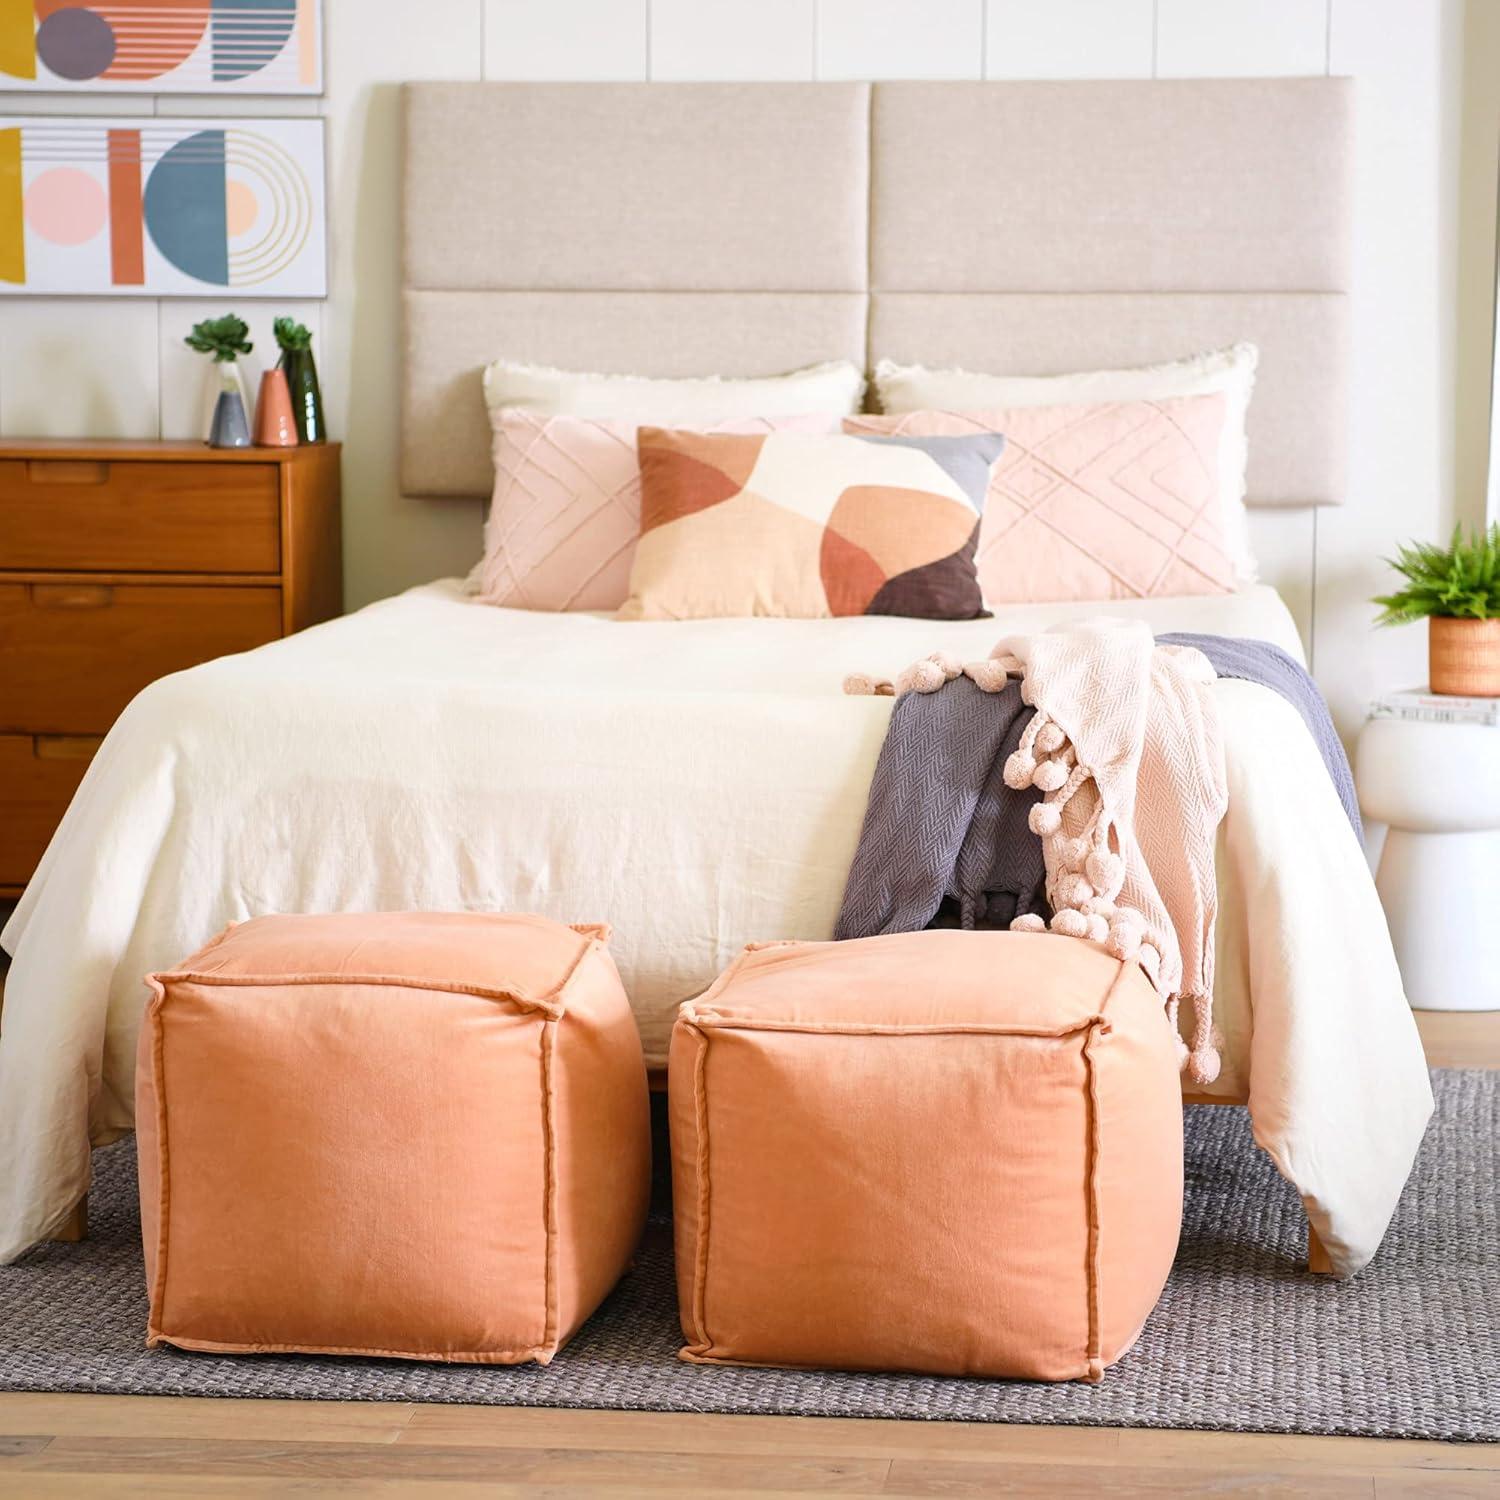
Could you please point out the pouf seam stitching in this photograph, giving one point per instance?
(541, 1353)
(1094, 1353)
(549, 1188)
(702, 1343)
(591, 947)
(551, 1001)
(721, 980)
(1095, 1372)
(528, 1003)
(156, 1292)
(718, 1021)
(594, 934)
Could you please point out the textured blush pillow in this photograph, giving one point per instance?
(807, 526)
(834, 388)
(1231, 371)
(566, 512)
(1117, 500)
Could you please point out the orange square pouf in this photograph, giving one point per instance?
(951, 1152)
(419, 1135)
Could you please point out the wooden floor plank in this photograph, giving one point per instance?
(1460, 1038)
(1122, 1482)
(712, 1433)
(204, 1417)
(1303, 1450)
(208, 1487)
(656, 1470)
(1441, 1484)
(868, 1438)
(15, 1444)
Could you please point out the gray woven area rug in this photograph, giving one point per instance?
(1243, 1338)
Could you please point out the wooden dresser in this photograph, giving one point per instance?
(121, 562)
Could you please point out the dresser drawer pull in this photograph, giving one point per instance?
(72, 595)
(65, 746)
(66, 471)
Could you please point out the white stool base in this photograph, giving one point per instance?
(1439, 891)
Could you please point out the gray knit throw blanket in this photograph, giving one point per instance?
(941, 821)
(1259, 661)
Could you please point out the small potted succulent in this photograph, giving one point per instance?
(224, 339)
(295, 341)
(1456, 589)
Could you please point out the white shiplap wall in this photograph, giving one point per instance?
(108, 367)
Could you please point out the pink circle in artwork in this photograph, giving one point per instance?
(65, 205)
(241, 207)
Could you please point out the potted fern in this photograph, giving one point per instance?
(1456, 589)
(224, 340)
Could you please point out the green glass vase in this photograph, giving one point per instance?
(307, 399)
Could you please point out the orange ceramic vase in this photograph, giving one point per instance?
(275, 426)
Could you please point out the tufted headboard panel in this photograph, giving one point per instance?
(747, 229)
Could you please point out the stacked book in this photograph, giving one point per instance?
(1422, 707)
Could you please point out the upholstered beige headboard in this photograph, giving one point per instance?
(748, 229)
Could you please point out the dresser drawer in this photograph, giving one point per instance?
(72, 655)
(38, 777)
(86, 515)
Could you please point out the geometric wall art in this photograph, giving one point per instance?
(162, 46)
(155, 207)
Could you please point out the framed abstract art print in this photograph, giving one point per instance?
(160, 207)
(162, 46)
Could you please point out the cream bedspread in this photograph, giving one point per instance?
(698, 785)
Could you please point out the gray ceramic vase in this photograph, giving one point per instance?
(230, 427)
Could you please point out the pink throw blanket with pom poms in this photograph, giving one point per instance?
(1125, 746)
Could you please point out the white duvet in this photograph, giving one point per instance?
(697, 785)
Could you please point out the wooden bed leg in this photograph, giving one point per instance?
(1317, 1257)
(76, 1226)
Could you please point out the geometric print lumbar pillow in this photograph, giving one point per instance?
(1100, 500)
(807, 526)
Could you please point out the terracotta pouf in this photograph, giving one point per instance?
(951, 1152)
(421, 1135)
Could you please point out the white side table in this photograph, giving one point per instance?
(1438, 787)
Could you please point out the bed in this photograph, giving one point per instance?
(699, 785)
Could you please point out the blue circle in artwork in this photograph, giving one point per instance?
(76, 43)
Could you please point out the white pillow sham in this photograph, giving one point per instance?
(909, 388)
(832, 389)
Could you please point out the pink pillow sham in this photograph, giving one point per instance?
(1114, 500)
(566, 514)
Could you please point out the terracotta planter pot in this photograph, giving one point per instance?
(1463, 657)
